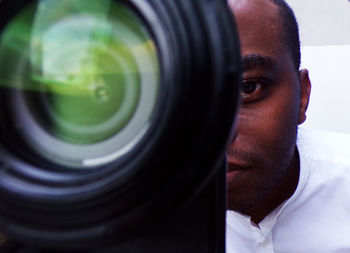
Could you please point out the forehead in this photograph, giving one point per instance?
(259, 26)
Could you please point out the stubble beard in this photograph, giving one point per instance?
(282, 158)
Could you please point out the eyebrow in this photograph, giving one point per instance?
(256, 60)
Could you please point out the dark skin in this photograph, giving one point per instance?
(263, 159)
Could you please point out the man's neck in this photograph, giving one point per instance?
(279, 193)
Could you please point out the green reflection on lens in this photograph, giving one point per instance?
(76, 63)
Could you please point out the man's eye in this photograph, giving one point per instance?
(252, 91)
(249, 87)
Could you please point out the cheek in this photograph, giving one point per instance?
(268, 127)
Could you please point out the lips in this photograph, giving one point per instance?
(237, 167)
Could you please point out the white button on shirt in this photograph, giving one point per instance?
(317, 216)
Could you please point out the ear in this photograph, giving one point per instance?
(305, 89)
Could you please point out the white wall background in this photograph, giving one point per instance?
(325, 38)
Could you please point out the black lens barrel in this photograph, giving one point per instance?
(198, 53)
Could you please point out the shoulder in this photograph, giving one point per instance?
(324, 164)
(330, 147)
(321, 203)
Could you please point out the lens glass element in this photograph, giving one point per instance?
(82, 72)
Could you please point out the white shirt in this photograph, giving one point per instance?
(316, 219)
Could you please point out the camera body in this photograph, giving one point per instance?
(115, 120)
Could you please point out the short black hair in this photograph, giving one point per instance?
(290, 30)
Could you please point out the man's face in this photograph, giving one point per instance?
(274, 100)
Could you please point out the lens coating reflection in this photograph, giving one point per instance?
(82, 69)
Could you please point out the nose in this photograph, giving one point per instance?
(240, 131)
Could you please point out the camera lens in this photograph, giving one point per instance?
(86, 77)
(113, 113)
